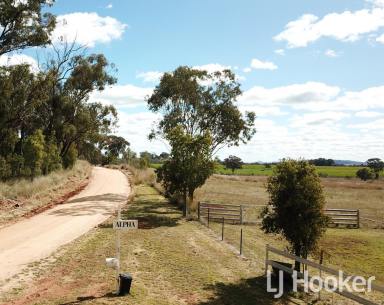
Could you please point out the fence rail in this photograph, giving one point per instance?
(320, 267)
(344, 217)
(220, 212)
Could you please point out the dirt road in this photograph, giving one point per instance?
(35, 238)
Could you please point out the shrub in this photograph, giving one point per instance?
(365, 174)
(296, 206)
(52, 160)
(70, 157)
(34, 153)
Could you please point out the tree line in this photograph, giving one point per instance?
(46, 120)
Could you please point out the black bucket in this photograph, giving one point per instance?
(125, 283)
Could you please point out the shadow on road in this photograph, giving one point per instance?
(90, 205)
(104, 197)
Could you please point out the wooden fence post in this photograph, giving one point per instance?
(266, 258)
(241, 241)
(222, 229)
(358, 219)
(321, 262)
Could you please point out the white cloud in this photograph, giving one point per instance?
(150, 76)
(375, 125)
(109, 6)
(291, 94)
(315, 96)
(136, 127)
(369, 114)
(280, 52)
(380, 39)
(87, 28)
(262, 111)
(331, 53)
(330, 130)
(317, 118)
(345, 26)
(247, 70)
(210, 68)
(122, 96)
(378, 3)
(262, 65)
(17, 59)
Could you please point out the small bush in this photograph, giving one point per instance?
(323, 175)
(365, 174)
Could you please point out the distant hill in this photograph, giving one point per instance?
(348, 162)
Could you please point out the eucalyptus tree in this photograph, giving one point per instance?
(23, 24)
(198, 104)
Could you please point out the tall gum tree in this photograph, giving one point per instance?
(197, 104)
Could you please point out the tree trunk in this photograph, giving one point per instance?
(297, 264)
(185, 203)
(189, 203)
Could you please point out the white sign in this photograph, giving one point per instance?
(125, 224)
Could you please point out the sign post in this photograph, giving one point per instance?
(121, 225)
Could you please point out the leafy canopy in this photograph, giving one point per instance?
(376, 165)
(22, 24)
(233, 162)
(296, 205)
(54, 101)
(202, 102)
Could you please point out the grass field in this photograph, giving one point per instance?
(261, 170)
(340, 193)
(357, 251)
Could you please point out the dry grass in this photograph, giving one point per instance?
(172, 261)
(355, 251)
(339, 192)
(19, 197)
(138, 175)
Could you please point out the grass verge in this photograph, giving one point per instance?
(24, 197)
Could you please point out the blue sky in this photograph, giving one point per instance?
(311, 70)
